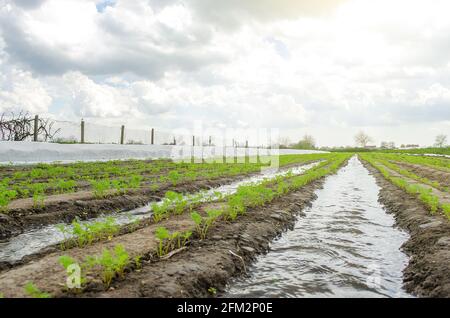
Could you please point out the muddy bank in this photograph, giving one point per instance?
(427, 274)
(227, 252)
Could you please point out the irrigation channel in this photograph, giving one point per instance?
(344, 245)
(36, 240)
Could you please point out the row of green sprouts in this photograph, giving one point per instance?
(116, 177)
(424, 194)
(112, 264)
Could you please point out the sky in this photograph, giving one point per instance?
(326, 68)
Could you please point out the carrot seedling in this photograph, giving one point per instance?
(34, 292)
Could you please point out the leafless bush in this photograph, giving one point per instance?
(20, 127)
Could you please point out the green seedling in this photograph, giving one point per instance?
(34, 292)
(67, 262)
(203, 224)
(160, 210)
(177, 202)
(170, 241)
(446, 210)
(174, 177)
(82, 234)
(112, 263)
(212, 291)
(38, 190)
(6, 196)
(64, 186)
(162, 235)
(100, 187)
(138, 261)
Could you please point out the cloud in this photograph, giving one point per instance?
(111, 99)
(20, 91)
(29, 4)
(321, 67)
(128, 37)
(231, 14)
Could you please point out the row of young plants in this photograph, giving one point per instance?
(114, 263)
(76, 170)
(181, 172)
(234, 205)
(433, 162)
(111, 263)
(424, 194)
(81, 234)
(411, 175)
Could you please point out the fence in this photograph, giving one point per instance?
(86, 132)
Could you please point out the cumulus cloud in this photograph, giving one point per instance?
(72, 35)
(20, 91)
(29, 4)
(326, 68)
(231, 14)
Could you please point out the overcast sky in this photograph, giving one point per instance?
(328, 68)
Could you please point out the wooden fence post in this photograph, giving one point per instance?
(224, 157)
(193, 141)
(122, 134)
(82, 131)
(153, 136)
(36, 124)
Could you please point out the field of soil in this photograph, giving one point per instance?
(208, 247)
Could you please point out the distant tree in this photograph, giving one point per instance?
(284, 142)
(387, 145)
(362, 139)
(441, 141)
(307, 142)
